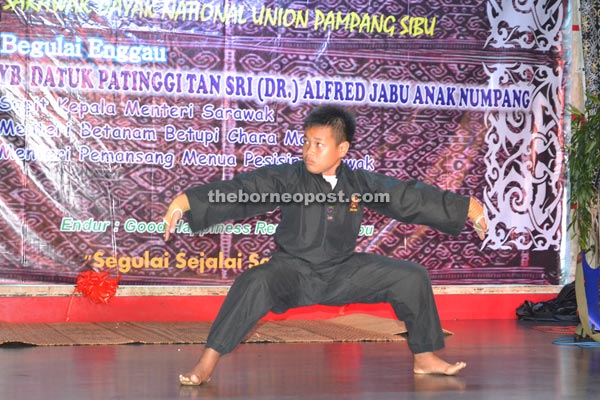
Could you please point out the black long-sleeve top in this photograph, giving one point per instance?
(322, 232)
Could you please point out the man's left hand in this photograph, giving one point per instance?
(477, 216)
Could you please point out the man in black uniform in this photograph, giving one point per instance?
(316, 262)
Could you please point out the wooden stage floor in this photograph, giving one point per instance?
(506, 359)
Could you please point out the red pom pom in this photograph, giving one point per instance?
(97, 286)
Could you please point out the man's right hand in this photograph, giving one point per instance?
(178, 206)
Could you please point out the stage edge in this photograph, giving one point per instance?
(56, 303)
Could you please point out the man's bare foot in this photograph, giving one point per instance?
(438, 383)
(202, 371)
(429, 363)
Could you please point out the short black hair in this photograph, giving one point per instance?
(341, 121)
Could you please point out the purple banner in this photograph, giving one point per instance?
(109, 109)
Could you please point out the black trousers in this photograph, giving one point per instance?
(286, 282)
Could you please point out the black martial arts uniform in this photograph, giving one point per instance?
(316, 262)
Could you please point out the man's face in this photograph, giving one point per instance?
(321, 152)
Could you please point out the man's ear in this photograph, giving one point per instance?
(343, 148)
